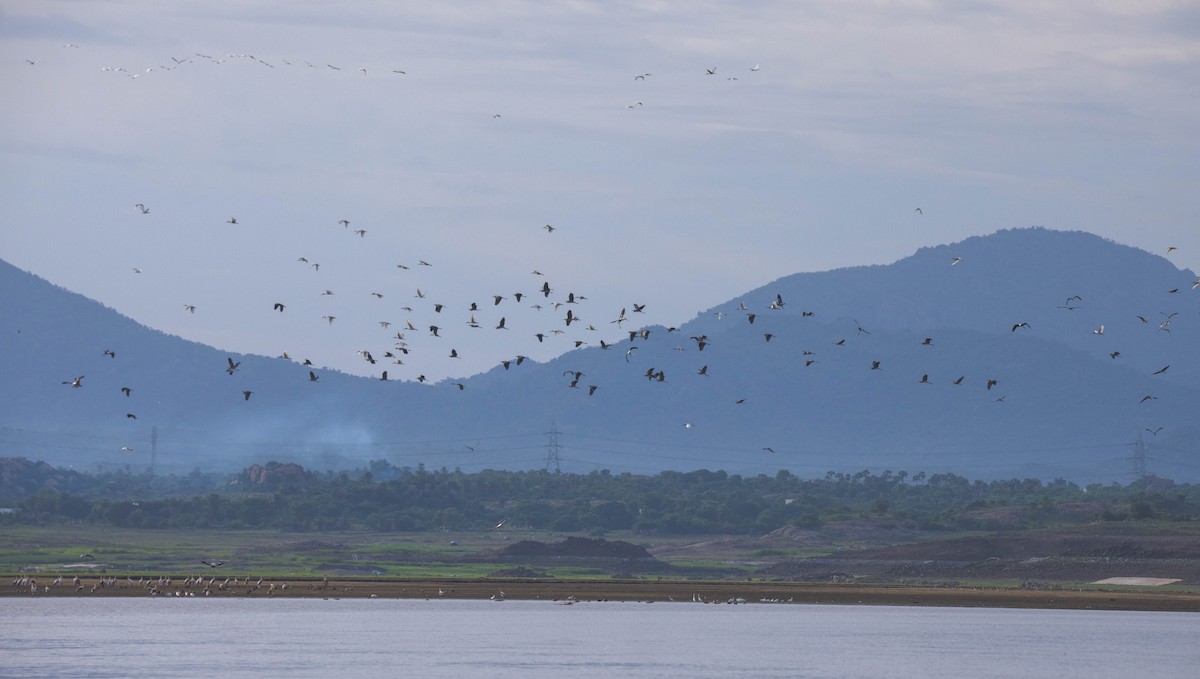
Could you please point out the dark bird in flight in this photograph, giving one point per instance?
(925, 378)
(312, 376)
(232, 220)
(126, 390)
(1161, 370)
(874, 365)
(1154, 432)
(131, 416)
(278, 306)
(769, 449)
(232, 365)
(246, 394)
(711, 71)
(142, 208)
(212, 563)
(991, 383)
(861, 330)
(592, 389)
(1019, 325)
(959, 380)
(928, 342)
(703, 371)
(1115, 354)
(1147, 398)
(110, 353)
(918, 211)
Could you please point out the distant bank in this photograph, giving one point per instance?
(579, 591)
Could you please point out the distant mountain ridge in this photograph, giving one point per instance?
(1060, 404)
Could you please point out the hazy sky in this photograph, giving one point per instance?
(677, 190)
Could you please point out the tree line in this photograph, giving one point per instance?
(383, 497)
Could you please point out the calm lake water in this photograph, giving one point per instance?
(65, 637)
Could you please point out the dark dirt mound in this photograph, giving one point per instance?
(295, 547)
(519, 572)
(573, 547)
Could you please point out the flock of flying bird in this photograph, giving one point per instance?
(439, 319)
(564, 309)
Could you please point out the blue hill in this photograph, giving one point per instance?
(808, 400)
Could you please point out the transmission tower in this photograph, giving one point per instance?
(1139, 458)
(153, 448)
(552, 448)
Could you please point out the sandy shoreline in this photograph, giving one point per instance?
(606, 590)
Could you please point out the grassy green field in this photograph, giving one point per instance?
(1064, 559)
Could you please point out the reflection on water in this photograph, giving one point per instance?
(63, 637)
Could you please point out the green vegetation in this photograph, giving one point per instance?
(385, 498)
